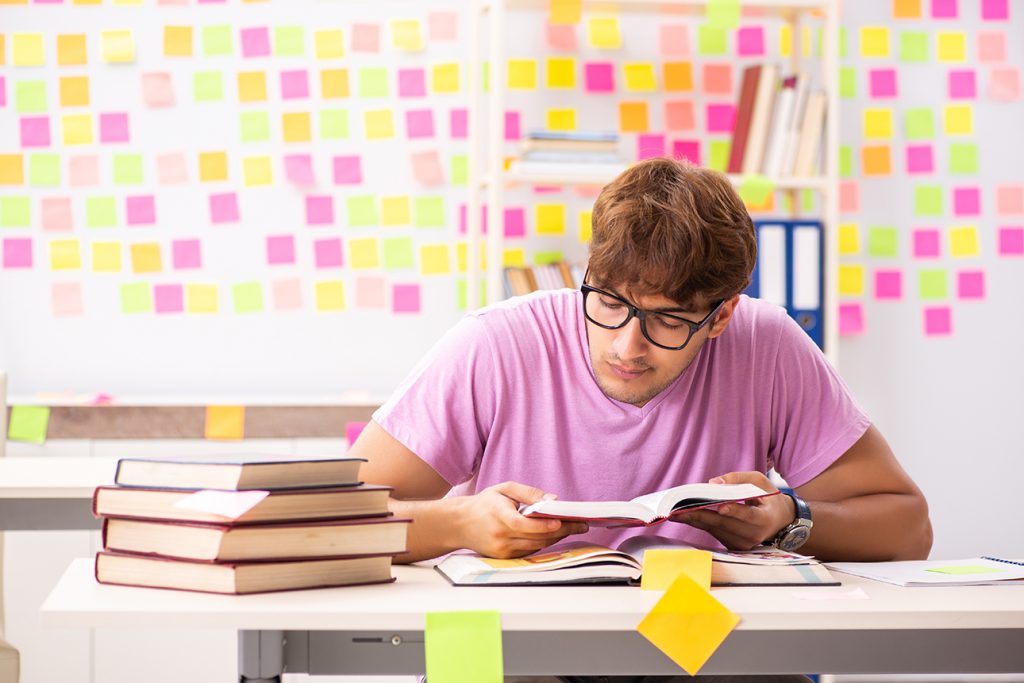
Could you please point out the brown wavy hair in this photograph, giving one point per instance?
(667, 227)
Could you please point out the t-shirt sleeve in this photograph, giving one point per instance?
(814, 417)
(443, 410)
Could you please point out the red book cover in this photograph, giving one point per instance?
(744, 113)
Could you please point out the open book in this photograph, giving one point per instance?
(647, 509)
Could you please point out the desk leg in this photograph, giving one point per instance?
(260, 656)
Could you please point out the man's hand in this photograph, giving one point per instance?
(490, 524)
(742, 526)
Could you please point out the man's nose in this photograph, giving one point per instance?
(630, 341)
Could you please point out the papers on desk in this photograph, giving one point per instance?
(976, 571)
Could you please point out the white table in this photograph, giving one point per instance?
(573, 629)
(51, 493)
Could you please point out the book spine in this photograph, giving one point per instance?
(760, 119)
(744, 112)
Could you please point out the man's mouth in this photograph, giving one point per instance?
(626, 372)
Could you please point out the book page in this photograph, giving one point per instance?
(663, 503)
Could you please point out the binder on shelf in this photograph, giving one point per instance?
(788, 271)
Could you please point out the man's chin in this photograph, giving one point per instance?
(614, 389)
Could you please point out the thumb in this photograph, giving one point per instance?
(522, 493)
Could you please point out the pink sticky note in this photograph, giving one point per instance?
(717, 79)
(687, 149)
(140, 209)
(995, 10)
(66, 299)
(512, 132)
(419, 123)
(3, 92)
(679, 115)
(721, 118)
(458, 123)
(1010, 200)
(255, 42)
(353, 430)
(426, 168)
(327, 253)
(944, 9)
(412, 83)
(483, 219)
(599, 76)
(927, 243)
(938, 321)
(170, 169)
(515, 222)
(1004, 84)
(18, 252)
(168, 299)
(294, 84)
(287, 294)
(35, 131)
(226, 504)
(114, 127)
(371, 293)
(888, 284)
(991, 46)
(851, 319)
(84, 170)
(962, 84)
(673, 39)
(920, 159)
(750, 41)
(319, 210)
(157, 90)
(970, 284)
(966, 201)
(561, 37)
(224, 207)
(849, 196)
(365, 38)
(1011, 241)
(442, 26)
(348, 170)
(882, 83)
(649, 146)
(56, 214)
(405, 299)
(186, 254)
(280, 249)
(298, 169)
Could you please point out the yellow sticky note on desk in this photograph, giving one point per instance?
(687, 624)
(118, 46)
(663, 565)
(225, 422)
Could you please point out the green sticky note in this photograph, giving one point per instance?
(919, 124)
(28, 423)
(289, 41)
(847, 82)
(15, 212)
(807, 199)
(724, 13)
(136, 297)
(718, 155)
(845, 161)
(463, 647)
(254, 126)
(373, 82)
(428, 212)
(913, 46)
(712, 40)
(462, 296)
(30, 97)
(546, 258)
(362, 211)
(883, 242)
(333, 124)
(398, 253)
(932, 284)
(217, 41)
(248, 297)
(965, 569)
(100, 212)
(208, 86)
(842, 42)
(459, 169)
(485, 77)
(127, 169)
(755, 188)
(44, 170)
(928, 200)
(963, 158)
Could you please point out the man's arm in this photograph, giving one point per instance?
(865, 508)
(488, 522)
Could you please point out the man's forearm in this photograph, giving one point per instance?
(434, 530)
(880, 526)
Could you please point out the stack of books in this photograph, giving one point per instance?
(247, 524)
(569, 152)
(526, 279)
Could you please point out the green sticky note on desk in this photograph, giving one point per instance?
(28, 423)
(464, 647)
(965, 569)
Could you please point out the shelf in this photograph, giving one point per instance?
(604, 174)
(783, 7)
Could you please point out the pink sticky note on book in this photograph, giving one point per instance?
(227, 504)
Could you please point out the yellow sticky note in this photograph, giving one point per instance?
(604, 33)
(963, 241)
(364, 253)
(561, 119)
(213, 166)
(330, 296)
(252, 86)
(71, 49)
(177, 41)
(76, 129)
(257, 171)
(27, 49)
(849, 239)
(958, 119)
(677, 76)
(851, 280)
(334, 83)
(877, 123)
(379, 124)
(586, 226)
(561, 72)
(786, 40)
(550, 219)
(74, 91)
(687, 624)
(225, 422)
(565, 12)
(146, 258)
(513, 258)
(633, 117)
(118, 46)
(640, 77)
(663, 565)
(952, 46)
(874, 41)
(406, 34)
(435, 259)
(522, 74)
(201, 298)
(106, 257)
(65, 255)
(296, 127)
(395, 211)
(329, 44)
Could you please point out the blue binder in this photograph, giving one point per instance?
(788, 272)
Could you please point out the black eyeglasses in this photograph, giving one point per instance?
(664, 330)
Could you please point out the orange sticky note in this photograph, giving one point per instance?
(177, 41)
(663, 565)
(225, 422)
(633, 117)
(71, 49)
(565, 11)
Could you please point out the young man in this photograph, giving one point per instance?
(657, 373)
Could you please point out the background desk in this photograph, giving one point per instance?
(51, 493)
(573, 629)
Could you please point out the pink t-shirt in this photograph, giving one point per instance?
(509, 395)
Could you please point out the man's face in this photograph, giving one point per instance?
(631, 369)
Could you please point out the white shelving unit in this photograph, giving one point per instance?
(488, 176)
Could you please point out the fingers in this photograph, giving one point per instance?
(736, 525)
(521, 493)
(758, 479)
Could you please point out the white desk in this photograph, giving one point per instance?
(51, 493)
(574, 629)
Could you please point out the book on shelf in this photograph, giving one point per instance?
(280, 505)
(239, 473)
(580, 562)
(811, 129)
(975, 571)
(527, 279)
(256, 542)
(760, 119)
(794, 124)
(238, 578)
(648, 509)
(744, 113)
(782, 122)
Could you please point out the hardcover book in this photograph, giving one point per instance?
(239, 473)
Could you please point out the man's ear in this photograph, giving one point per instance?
(724, 316)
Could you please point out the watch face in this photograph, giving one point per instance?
(794, 538)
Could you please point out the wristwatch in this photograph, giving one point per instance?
(796, 533)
